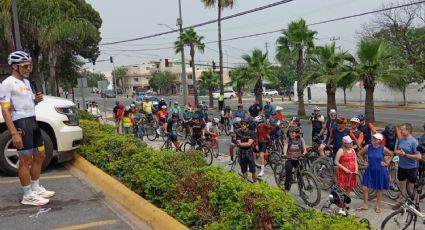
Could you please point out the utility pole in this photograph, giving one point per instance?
(113, 75)
(184, 82)
(267, 47)
(18, 45)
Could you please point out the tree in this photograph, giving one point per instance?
(260, 68)
(284, 78)
(221, 4)
(92, 78)
(162, 82)
(191, 39)
(347, 80)
(373, 57)
(209, 80)
(328, 68)
(240, 78)
(295, 46)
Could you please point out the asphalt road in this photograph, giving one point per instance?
(386, 115)
(75, 206)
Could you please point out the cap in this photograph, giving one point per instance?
(347, 139)
(378, 136)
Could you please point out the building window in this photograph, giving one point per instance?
(189, 76)
(136, 79)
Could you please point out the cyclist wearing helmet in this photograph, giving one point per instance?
(176, 108)
(198, 130)
(162, 116)
(279, 114)
(294, 147)
(187, 116)
(355, 122)
(317, 122)
(212, 131)
(240, 112)
(162, 103)
(245, 140)
(169, 130)
(200, 112)
(18, 108)
(263, 139)
(367, 128)
(255, 109)
(330, 123)
(148, 106)
(268, 109)
(225, 115)
(338, 133)
(205, 111)
(234, 128)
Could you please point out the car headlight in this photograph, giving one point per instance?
(71, 112)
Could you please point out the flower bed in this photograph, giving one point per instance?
(199, 196)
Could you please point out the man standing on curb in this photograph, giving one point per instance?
(18, 109)
(221, 102)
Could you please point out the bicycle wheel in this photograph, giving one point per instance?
(309, 189)
(151, 133)
(274, 157)
(167, 145)
(235, 160)
(206, 151)
(279, 174)
(322, 168)
(358, 190)
(187, 146)
(227, 127)
(400, 219)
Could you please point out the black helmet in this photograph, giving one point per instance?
(175, 115)
(227, 107)
(294, 129)
(361, 117)
(390, 130)
(245, 120)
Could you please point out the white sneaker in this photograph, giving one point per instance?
(43, 193)
(230, 162)
(157, 132)
(261, 173)
(35, 200)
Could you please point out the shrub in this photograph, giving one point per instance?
(83, 115)
(199, 196)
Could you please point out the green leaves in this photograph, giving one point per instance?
(209, 80)
(189, 38)
(162, 80)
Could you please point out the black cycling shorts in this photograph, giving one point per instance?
(31, 136)
(262, 146)
(246, 159)
(407, 174)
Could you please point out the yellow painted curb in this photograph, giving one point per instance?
(128, 199)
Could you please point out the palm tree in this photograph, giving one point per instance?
(210, 81)
(373, 59)
(328, 67)
(221, 4)
(296, 44)
(260, 68)
(240, 77)
(347, 80)
(191, 39)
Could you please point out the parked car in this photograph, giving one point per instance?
(58, 121)
(270, 92)
(228, 94)
(108, 94)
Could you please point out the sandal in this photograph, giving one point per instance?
(377, 210)
(361, 209)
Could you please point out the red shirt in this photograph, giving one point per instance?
(263, 131)
(120, 112)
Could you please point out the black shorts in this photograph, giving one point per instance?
(246, 159)
(31, 136)
(407, 174)
(262, 146)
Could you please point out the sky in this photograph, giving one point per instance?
(127, 19)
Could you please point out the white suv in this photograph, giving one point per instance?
(58, 121)
(228, 94)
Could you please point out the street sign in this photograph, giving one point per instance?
(82, 82)
(86, 91)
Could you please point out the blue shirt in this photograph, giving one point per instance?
(409, 146)
(268, 109)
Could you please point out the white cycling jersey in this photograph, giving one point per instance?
(19, 96)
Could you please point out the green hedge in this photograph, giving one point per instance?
(199, 196)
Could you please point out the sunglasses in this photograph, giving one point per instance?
(25, 66)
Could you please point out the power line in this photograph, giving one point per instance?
(204, 23)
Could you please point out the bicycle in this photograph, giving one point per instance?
(403, 217)
(307, 182)
(169, 145)
(201, 146)
(226, 127)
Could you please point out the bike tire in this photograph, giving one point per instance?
(306, 183)
(235, 160)
(279, 174)
(187, 146)
(227, 128)
(274, 158)
(206, 152)
(406, 218)
(358, 190)
(151, 133)
(322, 168)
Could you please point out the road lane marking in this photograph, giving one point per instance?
(88, 225)
(42, 178)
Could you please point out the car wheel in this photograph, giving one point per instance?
(9, 158)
